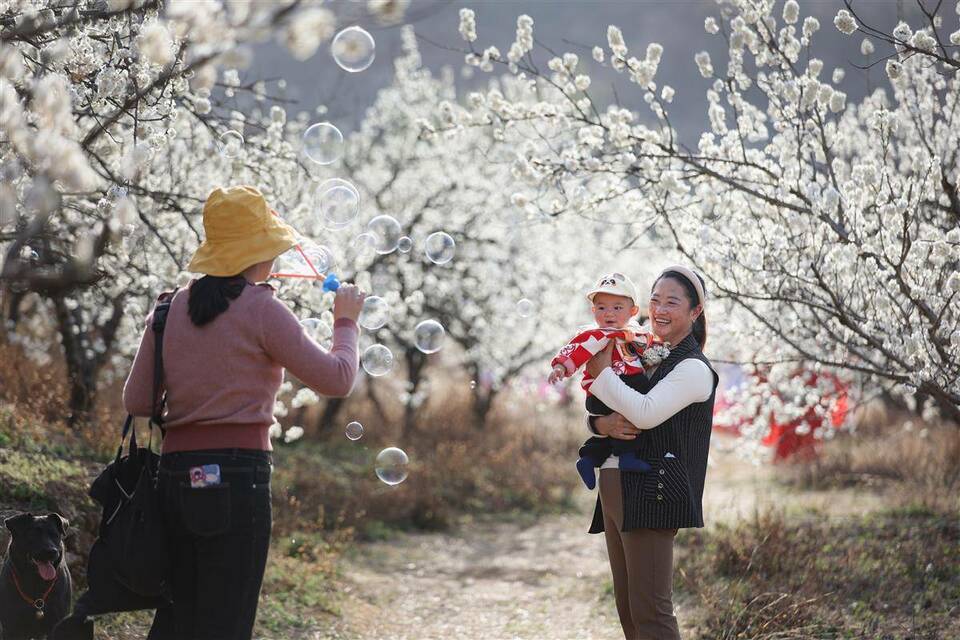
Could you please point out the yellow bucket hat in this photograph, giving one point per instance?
(241, 231)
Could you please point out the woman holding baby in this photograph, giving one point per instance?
(641, 512)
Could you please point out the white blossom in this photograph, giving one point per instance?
(468, 25)
(293, 433)
(703, 64)
(791, 11)
(845, 22)
(894, 69)
(388, 11)
(155, 43)
(311, 28)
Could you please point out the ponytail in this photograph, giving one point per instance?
(699, 329)
(211, 295)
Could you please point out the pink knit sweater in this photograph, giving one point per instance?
(222, 379)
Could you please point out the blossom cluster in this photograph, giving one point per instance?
(828, 231)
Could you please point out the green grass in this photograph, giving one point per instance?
(27, 480)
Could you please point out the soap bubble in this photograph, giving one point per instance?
(377, 360)
(320, 256)
(229, 144)
(323, 143)
(524, 308)
(374, 314)
(354, 431)
(386, 231)
(353, 49)
(439, 247)
(313, 328)
(391, 465)
(404, 244)
(291, 263)
(365, 245)
(338, 201)
(428, 336)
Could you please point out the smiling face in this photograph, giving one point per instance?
(612, 312)
(671, 312)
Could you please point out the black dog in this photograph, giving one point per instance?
(35, 585)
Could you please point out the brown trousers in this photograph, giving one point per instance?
(642, 565)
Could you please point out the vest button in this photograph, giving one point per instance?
(659, 497)
(661, 471)
(659, 485)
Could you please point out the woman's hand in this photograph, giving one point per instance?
(601, 361)
(348, 302)
(615, 426)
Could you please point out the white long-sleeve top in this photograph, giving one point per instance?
(688, 382)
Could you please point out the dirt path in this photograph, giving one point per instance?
(533, 580)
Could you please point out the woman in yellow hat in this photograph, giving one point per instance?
(226, 344)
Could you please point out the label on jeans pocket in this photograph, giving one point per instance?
(204, 476)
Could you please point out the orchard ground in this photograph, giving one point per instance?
(863, 543)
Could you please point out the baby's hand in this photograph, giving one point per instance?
(559, 373)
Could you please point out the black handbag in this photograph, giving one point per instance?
(129, 562)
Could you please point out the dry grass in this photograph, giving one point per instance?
(887, 575)
(512, 463)
(890, 575)
(917, 463)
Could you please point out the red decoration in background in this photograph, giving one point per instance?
(783, 437)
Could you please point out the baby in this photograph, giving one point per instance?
(637, 349)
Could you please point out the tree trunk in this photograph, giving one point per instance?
(482, 403)
(83, 369)
(416, 361)
(330, 411)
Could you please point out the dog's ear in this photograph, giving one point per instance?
(61, 522)
(16, 523)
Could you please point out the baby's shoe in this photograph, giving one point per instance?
(587, 473)
(630, 462)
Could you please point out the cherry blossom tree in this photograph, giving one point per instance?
(455, 184)
(108, 113)
(829, 232)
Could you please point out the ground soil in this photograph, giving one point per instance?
(537, 579)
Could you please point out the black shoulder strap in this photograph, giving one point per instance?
(159, 324)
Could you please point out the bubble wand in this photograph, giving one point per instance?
(330, 281)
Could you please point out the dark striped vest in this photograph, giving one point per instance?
(671, 495)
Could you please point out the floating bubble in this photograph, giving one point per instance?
(387, 233)
(377, 360)
(305, 260)
(229, 144)
(291, 263)
(323, 143)
(439, 247)
(354, 431)
(375, 313)
(524, 308)
(338, 201)
(353, 49)
(428, 336)
(313, 328)
(320, 256)
(365, 245)
(391, 465)
(404, 244)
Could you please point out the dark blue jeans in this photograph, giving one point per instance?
(219, 537)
